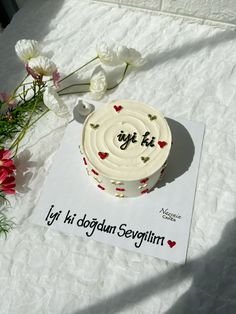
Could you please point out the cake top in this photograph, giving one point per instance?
(126, 140)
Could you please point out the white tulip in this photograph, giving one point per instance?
(52, 100)
(106, 54)
(42, 66)
(98, 83)
(130, 56)
(27, 49)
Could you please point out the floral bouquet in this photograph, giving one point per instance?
(41, 91)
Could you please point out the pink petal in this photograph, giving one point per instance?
(6, 162)
(10, 169)
(9, 186)
(3, 175)
(6, 154)
(7, 191)
(4, 96)
(56, 77)
(31, 72)
(8, 180)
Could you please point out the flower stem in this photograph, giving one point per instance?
(25, 128)
(71, 93)
(121, 80)
(79, 69)
(39, 117)
(79, 84)
(19, 85)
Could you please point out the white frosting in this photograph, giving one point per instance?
(127, 164)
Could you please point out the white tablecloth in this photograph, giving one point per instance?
(190, 73)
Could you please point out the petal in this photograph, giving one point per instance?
(9, 186)
(7, 191)
(42, 65)
(3, 175)
(8, 180)
(6, 162)
(6, 154)
(4, 96)
(31, 72)
(54, 103)
(56, 77)
(27, 49)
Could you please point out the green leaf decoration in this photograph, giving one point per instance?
(94, 126)
(152, 117)
(145, 159)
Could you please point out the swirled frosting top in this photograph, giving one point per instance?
(126, 140)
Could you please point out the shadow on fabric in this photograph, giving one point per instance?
(213, 287)
(155, 59)
(181, 153)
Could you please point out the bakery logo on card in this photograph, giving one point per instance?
(167, 214)
(93, 225)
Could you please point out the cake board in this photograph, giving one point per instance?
(156, 224)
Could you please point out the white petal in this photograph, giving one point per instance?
(42, 65)
(130, 56)
(106, 54)
(27, 49)
(98, 83)
(52, 100)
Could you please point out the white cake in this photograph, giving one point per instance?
(125, 146)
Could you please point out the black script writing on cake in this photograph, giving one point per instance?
(146, 141)
(132, 138)
(126, 138)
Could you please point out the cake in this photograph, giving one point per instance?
(125, 145)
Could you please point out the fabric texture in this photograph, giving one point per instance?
(190, 73)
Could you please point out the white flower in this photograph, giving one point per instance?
(42, 66)
(130, 56)
(27, 49)
(98, 83)
(52, 100)
(106, 54)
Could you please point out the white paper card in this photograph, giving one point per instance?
(157, 223)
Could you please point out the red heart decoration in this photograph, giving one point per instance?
(85, 161)
(120, 189)
(143, 180)
(103, 155)
(101, 187)
(117, 108)
(95, 172)
(171, 243)
(162, 143)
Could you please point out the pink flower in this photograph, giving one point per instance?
(6, 98)
(56, 77)
(32, 73)
(3, 97)
(7, 183)
(5, 161)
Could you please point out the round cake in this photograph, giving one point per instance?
(125, 146)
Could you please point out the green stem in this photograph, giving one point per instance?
(71, 93)
(39, 117)
(121, 80)
(23, 131)
(79, 69)
(72, 85)
(19, 85)
(28, 83)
